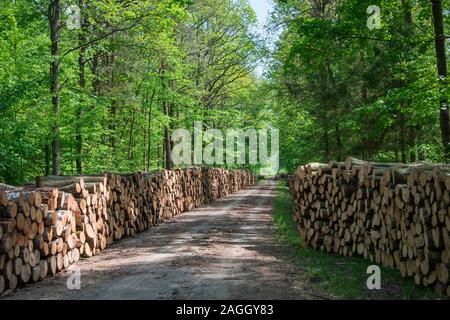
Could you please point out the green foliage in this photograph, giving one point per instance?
(368, 93)
(197, 57)
(333, 88)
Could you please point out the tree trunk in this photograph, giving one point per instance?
(82, 84)
(167, 144)
(95, 74)
(402, 137)
(54, 18)
(326, 144)
(166, 109)
(144, 129)
(131, 140)
(364, 94)
(149, 134)
(338, 142)
(159, 157)
(406, 103)
(441, 63)
(407, 15)
(113, 107)
(412, 144)
(47, 159)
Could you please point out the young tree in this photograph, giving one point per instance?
(54, 19)
(441, 62)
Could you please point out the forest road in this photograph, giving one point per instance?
(225, 250)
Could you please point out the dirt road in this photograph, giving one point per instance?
(221, 251)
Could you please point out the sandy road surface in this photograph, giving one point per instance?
(221, 251)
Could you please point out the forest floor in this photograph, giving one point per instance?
(243, 246)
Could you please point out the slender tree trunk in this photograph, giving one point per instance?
(150, 117)
(113, 107)
(112, 124)
(82, 84)
(95, 74)
(174, 116)
(412, 144)
(402, 137)
(159, 157)
(47, 159)
(54, 18)
(325, 74)
(364, 94)
(131, 139)
(167, 144)
(144, 129)
(338, 142)
(407, 15)
(144, 151)
(441, 63)
(326, 144)
(166, 109)
(406, 102)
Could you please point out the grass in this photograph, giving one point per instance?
(336, 276)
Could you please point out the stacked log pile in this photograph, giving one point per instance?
(141, 201)
(5, 187)
(44, 230)
(393, 214)
(195, 188)
(36, 235)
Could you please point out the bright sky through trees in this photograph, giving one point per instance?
(262, 9)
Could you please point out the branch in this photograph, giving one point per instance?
(105, 36)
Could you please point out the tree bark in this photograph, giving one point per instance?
(338, 142)
(131, 139)
(166, 109)
(167, 144)
(95, 74)
(113, 107)
(149, 134)
(402, 137)
(412, 144)
(144, 130)
(47, 159)
(326, 145)
(54, 18)
(406, 102)
(364, 94)
(407, 15)
(159, 157)
(441, 62)
(82, 84)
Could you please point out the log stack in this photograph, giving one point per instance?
(6, 187)
(36, 235)
(393, 214)
(141, 201)
(85, 202)
(44, 230)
